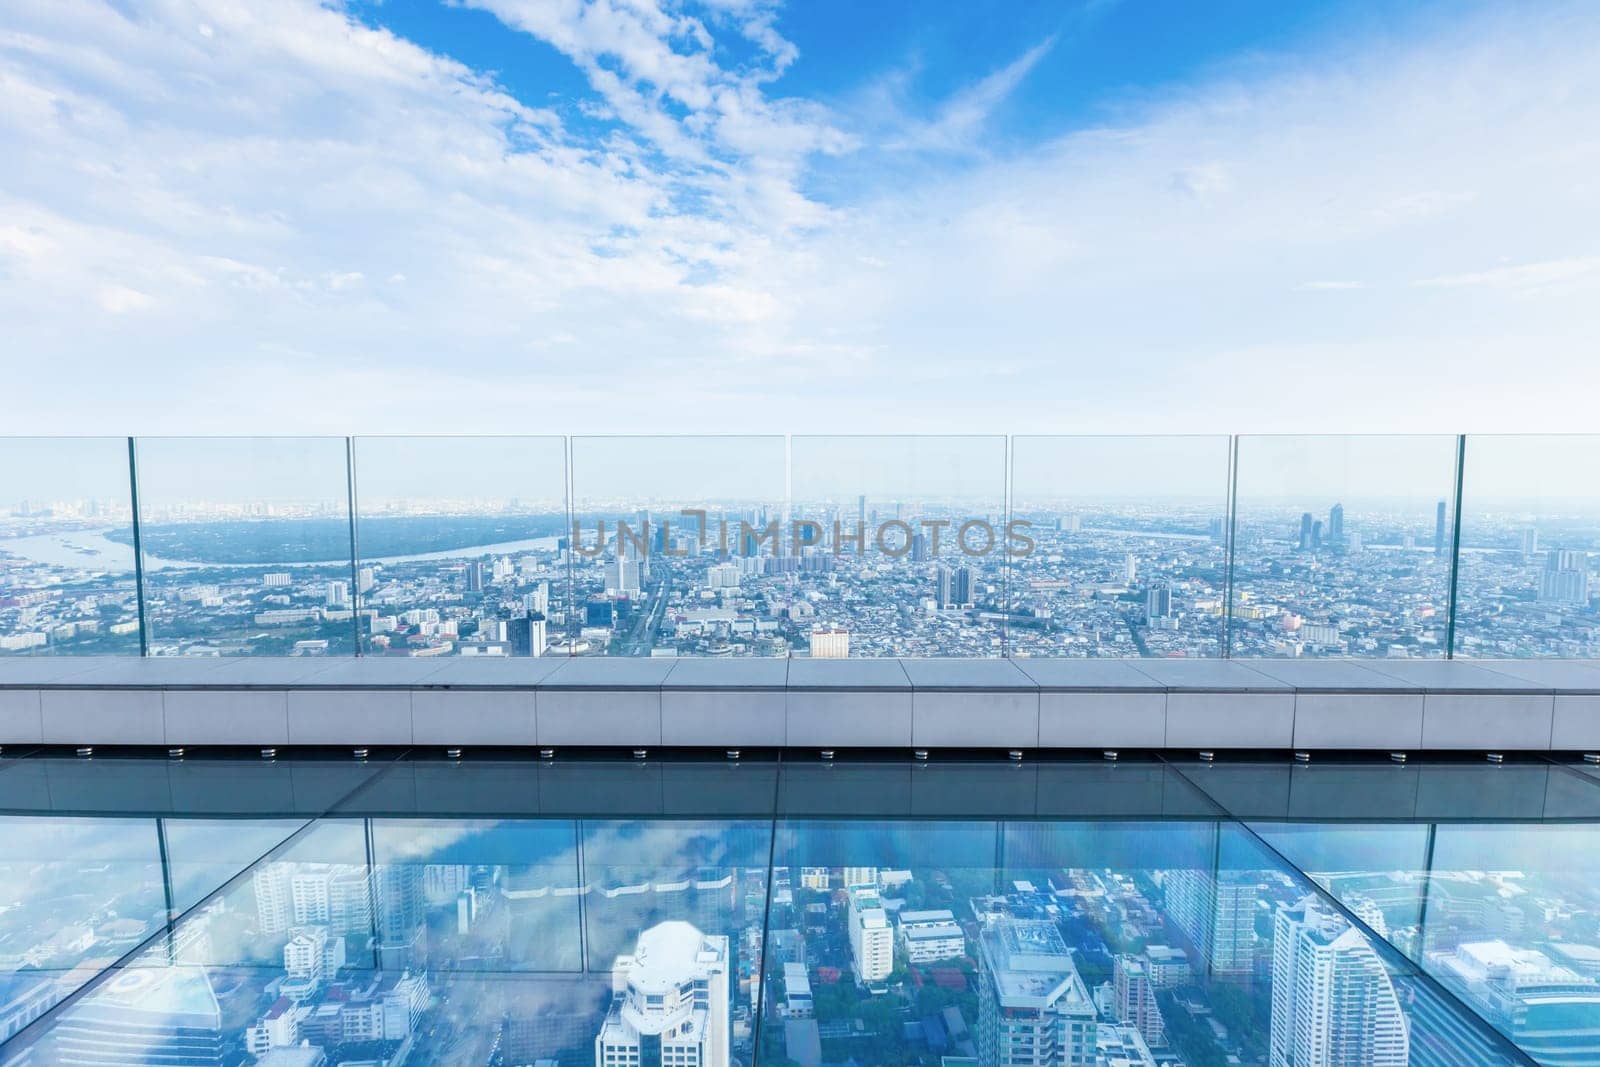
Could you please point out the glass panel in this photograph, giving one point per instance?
(66, 548)
(76, 892)
(912, 543)
(1144, 927)
(481, 894)
(247, 546)
(460, 542)
(1506, 930)
(1325, 989)
(1530, 524)
(1343, 546)
(1130, 541)
(202, 854)
(717, 582)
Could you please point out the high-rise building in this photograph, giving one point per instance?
(1565, 579)
(1550, 1011)
(623, 576)
(1135, 992)
(338, 595)
(1305, 531)
(1332, 1001)
(145, 1014)
(1158, 601)
(1530, 543)
(1033, 1008)
(871, 936)
(829, 642)
(402, 929)
(722, 576)
(537, 600)
(1217, 914)
(272, 883)
(365, 580)
(1336, 525)
(955, 587)
(670, 1002)
(528, 635)
(1438, 529)
(474, 576)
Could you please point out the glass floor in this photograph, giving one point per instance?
(494, 912)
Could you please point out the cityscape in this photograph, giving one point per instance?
(1323, 573)
(550, 943)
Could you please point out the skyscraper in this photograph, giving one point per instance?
(669, 1002)
(1033, 1008)
(1336, 525)
(955, 587)
(1158, 601)
(1438, 529)
(1565, 579)
(474, 577)
(1135, 994)
(1332, 1001)
(528, 635)
(1217, 914)
(1305, 531)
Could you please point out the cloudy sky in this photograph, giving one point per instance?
(669, 216)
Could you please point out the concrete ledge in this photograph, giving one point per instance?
(1399, 705)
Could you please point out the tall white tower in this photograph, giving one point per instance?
(669, 1001)
(1332, 1001)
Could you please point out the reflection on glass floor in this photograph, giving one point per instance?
(305, 912)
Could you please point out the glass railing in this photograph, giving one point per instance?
(809, 546)
(756, 912)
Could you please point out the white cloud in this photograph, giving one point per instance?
(196, 226)
(1521, 276)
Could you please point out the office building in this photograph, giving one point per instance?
(1158, 601)
(1033, 1008)
(165, 1015)
(1550, 1010)
(670, 1002)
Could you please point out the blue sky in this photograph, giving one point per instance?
(501, 216)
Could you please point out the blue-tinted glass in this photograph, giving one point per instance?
(1129, 546)
(66, 548)
(1530, 524)
(680, 548)
(911, 545)
(459, 542)
(1343, 546)
(246, 546)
